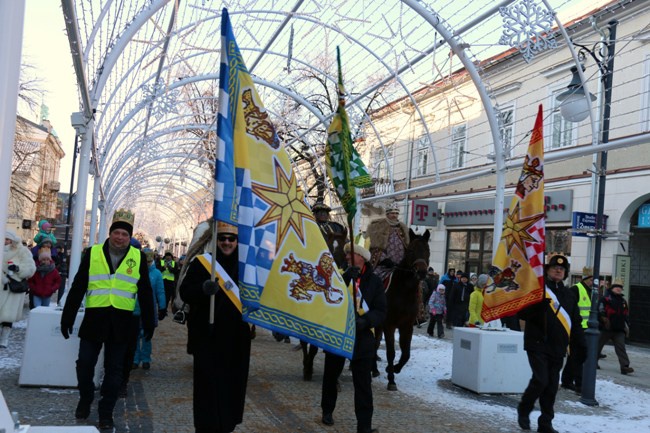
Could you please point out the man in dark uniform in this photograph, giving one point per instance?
(222, 350)
(321, 213)
(546, 339)
(370, 313)
(110, 277)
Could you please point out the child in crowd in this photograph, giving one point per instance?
(438, 310)
(46, 280)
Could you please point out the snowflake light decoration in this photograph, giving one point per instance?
(160, 99)
(149, 148)
(527, 27)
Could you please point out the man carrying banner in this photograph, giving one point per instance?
(222, 350)
(370, 313)
(547, 334)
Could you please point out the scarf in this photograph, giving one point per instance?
(45, 269)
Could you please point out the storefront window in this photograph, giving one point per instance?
(471, 250)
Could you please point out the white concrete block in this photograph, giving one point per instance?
(490, 361)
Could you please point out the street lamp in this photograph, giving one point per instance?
(603, 54)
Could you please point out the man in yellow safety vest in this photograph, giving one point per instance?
(170, 270)
(110, 278)
(572, 373)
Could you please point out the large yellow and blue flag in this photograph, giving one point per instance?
(518, 267)
(344, 165)
(288, 281)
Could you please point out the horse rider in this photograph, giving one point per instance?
(389, 238)
(321, 213)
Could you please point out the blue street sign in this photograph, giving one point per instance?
(584, 222)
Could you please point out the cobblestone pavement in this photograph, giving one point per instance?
(278, 400)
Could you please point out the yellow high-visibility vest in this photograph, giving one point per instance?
(584, 303)
(165, 273)
(117, 290)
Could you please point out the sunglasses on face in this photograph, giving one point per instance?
(226, 238)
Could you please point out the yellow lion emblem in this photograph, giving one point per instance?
(257, 121)
(312, 279)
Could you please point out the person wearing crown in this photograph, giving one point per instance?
(221, 350)
(111, 277)
(551, 324)
(389, 238)
(572, 373)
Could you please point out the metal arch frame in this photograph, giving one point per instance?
(167, 211)
(113, 56)
(132, 171)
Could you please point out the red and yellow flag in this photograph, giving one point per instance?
(518, 267)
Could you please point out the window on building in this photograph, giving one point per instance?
(380, 163)
(422, 158)
(507, 129)
(561, 129)
(458, 146)
(471, 250)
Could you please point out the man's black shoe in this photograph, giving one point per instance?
(82, 411)
(105, 424)
(146, 366)
(523, 421)
(546, 429)
(601, 356)
(327, 419)
(374, 430)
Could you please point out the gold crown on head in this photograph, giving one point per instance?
(124, 215)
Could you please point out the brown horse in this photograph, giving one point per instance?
(402, 301)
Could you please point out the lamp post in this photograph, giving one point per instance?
(603, 54)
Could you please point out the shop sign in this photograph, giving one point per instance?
(622, 271)
(644, 215)
(558, 206)
(424, 213)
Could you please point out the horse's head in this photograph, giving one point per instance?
(417, 252)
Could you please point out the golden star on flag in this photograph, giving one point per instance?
(287, 204)
(515, 230)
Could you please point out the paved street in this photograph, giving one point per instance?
(278, 400)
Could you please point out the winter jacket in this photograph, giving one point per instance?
(613, 312)
(544, 332)
(42, 234)
(158, 287)
(11, 304)
(475, 307)
(44, 284)
(438, 303)
(107, 323)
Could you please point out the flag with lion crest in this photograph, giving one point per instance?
(288, 281)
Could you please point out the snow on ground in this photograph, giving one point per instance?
(622, 409)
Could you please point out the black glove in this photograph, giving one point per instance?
(66, 330)
(362, 323)
(210, 287)
(147, 334)
(162, 314)
(13, 268)
(352, 272)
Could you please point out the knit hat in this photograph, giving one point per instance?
(12, 236)
(44, 253)
(123, 219)
(482, 280)
(441, 287)
(358, 249)
(46, 226)
(43, 240)
(472, 276)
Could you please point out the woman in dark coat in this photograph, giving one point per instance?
(221, 351)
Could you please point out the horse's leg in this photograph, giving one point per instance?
(389, 338)
(405, 337)
(379, 330)
(307, 362)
